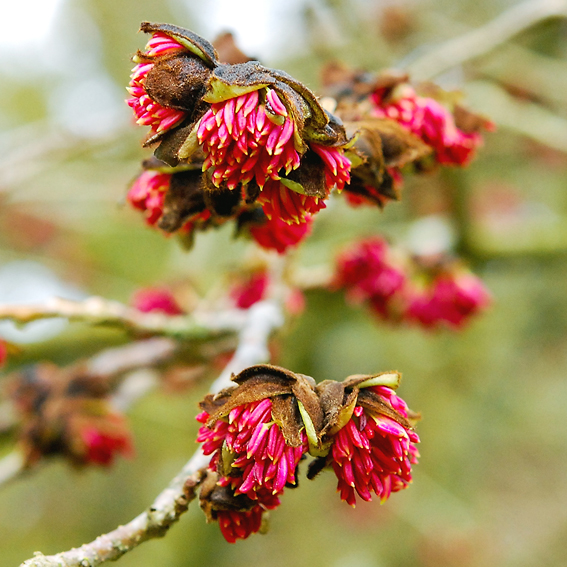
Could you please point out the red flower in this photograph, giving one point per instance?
(153, 299)
(243, 142)
(146, 110)
(148, 194)
(261, 462)
(431, 121)
(3, 353)
(248, 139)
(276, 234)
(246, 293)
(367, 273)
(239, 525)
(374, 453)
(337, 166)
(452, 300)
(279, 202)
(102, 445)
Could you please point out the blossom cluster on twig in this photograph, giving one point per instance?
(402, 289)
(259, 430)
(238, 141)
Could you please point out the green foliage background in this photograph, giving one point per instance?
(491, 488)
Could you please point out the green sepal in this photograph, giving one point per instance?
(220, 91)
(226, 460)
(389, 379)
(315, 448)
(355, 159)
(293, 185)
(190, 145)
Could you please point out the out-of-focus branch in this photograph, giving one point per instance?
(315, 277)
(486, 38)
(153, 522)
(99, 311)
(524, 117)
(261, 320)
(131, 356)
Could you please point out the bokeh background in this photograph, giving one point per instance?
(491, 487)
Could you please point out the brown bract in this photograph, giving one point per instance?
(285, 388)
(381, 144)
(299, 403)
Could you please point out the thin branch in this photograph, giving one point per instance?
(486, 38)
(261, 320)
(134, 355)
(99, 311)
(524, 117)
(153, 522)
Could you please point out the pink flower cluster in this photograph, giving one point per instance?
(451, 300)
(369, 275)
(147, 111)
(263, 463)
(276, 234)
(147, 194)
(3, 353)
(374, 453)
(156, 299)
(430, 121)
(249, 292)
(243, 142)
(271, 150)
(249, 140)
(101, 445)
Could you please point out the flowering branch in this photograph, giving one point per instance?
(261, 320)
(99, 311)
(486, 38)
(153, 522)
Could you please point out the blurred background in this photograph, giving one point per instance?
(491, 487)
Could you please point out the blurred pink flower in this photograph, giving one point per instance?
(102, 444)
(367, 273)
(451, 300)
(3, 353)
(431, 121)
(276, 234)
(147, 194)
(151, 299)
(250, 291)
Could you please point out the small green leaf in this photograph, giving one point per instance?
(315, 448)
(219, 91)
(293, 185)
(389, 379)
